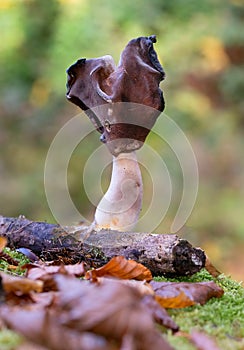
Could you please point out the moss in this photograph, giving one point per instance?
(222, 318)
(6, 267)
(9, 340)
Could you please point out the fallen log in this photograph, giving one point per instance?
(163, 254)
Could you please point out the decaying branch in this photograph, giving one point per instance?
(163, 254)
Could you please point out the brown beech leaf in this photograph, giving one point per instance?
(159, 314)
(121, 268)
(110, 309)
(3, 243)
(20, 285)
(29, 346)
(38, 271)
(183, 294)
(89, 316)
(43, 328)
(175, 302)
(46, 273)
(103, 307)
(44, 300)
(143, 287)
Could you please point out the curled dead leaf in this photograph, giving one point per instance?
(110, 309)
(45, 273)
(20, 285)
(183, 294)
(142, 287)
(88, 316)
(43, 328)
(175, 302)
(3, 243)
(159, 314)
(122, 268)
(38, 271)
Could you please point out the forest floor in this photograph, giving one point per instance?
(220, 318)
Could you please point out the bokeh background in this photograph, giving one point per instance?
(200, 45)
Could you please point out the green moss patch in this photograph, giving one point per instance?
(9, 340)
(6, 267)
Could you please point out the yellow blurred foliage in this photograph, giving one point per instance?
(213, 250)
(213, 51)
(39, 93)
(6, 4)
(72, 1)
(237, 2)
(194, 103)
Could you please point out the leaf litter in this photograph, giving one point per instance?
(115, 307)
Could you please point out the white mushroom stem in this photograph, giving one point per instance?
(120, 207)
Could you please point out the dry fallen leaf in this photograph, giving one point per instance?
(20, 285)
(45, 273)
(3, 243)
(159, 314)
(87, 306)
(83, 315)
(118, 310)
(143, 287)
(120, 267)
(29, 346)
(183, 294)
(38, 271)
(43, 328)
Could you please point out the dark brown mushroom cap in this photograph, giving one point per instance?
(135, 81)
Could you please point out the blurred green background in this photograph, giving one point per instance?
(200, 45)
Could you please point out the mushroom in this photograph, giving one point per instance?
(123, 92)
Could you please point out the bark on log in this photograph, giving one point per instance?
(163, 254)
